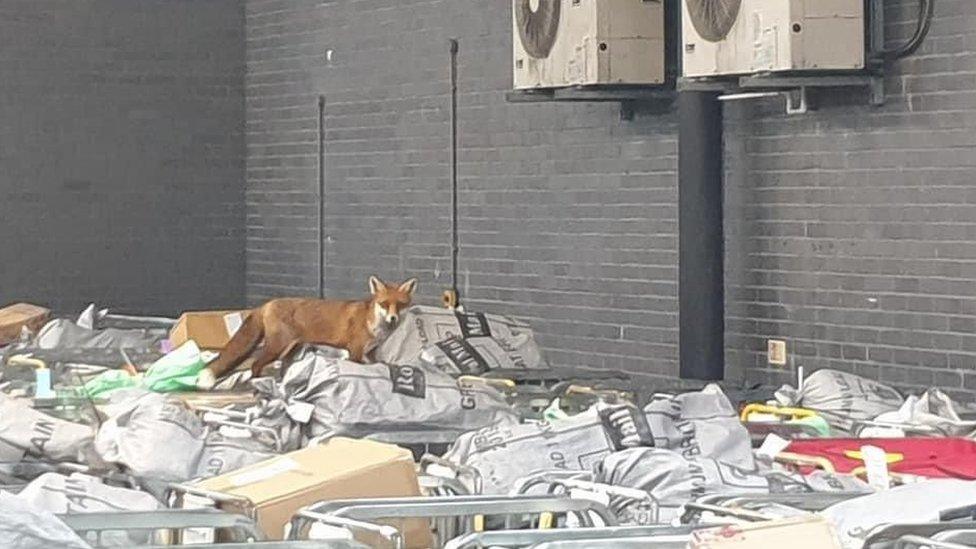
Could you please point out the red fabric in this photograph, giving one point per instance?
(927, 457)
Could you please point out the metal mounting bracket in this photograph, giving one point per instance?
(631, 98)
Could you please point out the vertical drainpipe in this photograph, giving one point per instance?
(321, 196)
(701, 265)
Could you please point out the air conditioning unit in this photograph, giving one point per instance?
(735, 37)
(559, 43)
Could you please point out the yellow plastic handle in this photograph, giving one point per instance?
(790, 458)
(889, 458)
(490, 381)
(792, 413)
(23, 360)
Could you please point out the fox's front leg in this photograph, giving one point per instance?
(357, 353)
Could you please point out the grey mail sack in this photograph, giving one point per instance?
(153, 436)
(77, 493)
(933, 409)
(41, 435)
(62, 334)
(932, 500)
(842, 398)
(358, 400)
(27, 526)
(506, 452)
(700, 424)
(156, 437)
(475, 356)
(513, 343)
(674, 480)
(223, 454)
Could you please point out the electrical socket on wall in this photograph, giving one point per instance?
(776, 352)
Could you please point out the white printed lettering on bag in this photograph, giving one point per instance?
(464, 357)
(626, 427)
(489, 438)
(409, 381)
(513, 354)
(473, 325)
(468, 401)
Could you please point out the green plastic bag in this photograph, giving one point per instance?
(817, 422)
(554, 411)
(110, 381)
(176, 371)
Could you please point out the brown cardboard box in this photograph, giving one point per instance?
(807, 532)
(339, 469)
(14, 317)
(209, 329)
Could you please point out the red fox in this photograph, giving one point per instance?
(357, 326)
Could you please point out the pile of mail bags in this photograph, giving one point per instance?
(323, 395)
(685, 430)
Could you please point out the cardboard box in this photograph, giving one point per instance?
(807, 532)
(14, 318)
(339, 469)
(211, 330)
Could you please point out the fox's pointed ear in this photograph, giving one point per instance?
(409, 286)
(375, 285)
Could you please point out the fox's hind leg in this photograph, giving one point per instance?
(276, 344)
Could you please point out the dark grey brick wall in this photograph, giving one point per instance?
(853, 230)
(121, 145)
(849, 230)
(568, 216)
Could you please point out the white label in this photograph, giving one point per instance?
(301, 411)
(599, 497)
(321, 532)
(772, 446)
(437, 470)
(264, 473)
(877, 467)
(233, 322)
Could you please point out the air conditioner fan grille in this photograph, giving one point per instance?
(537, 29)
(713, 19)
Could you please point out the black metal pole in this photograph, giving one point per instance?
(701, 276)
(455, 248)
(321, 231)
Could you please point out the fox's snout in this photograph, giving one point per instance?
(392, 319)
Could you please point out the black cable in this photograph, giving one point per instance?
(321, 193)
(926, 12)
(454, 169)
